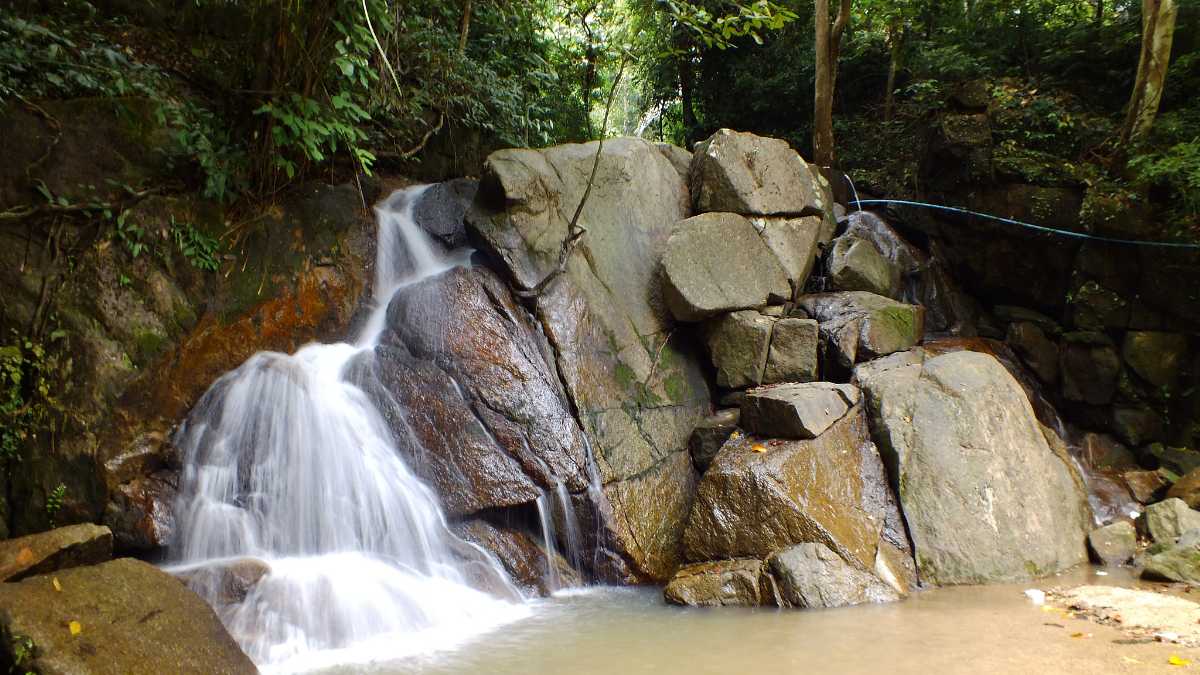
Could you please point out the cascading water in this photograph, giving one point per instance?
(288, 462)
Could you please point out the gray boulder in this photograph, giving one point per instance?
(856, 265)
(717, 584)
(985, 497)
(637, 387)
(742, 173)
(679, 158)
(796, 410)
(860, 326)
(1113, 544)
(717, 262)
(750, 348)
(1175, 561)
(1168, 519)
(812, 576)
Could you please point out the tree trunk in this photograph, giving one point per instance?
(1158, 30)
(895, 47)
(465, 27)
(1098, 20)
(686, 86)
(828, 42)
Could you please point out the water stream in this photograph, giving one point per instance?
(287, 462)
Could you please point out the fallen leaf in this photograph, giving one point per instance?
(1081, 635)
(758, 447)
(25, 556)
(75, 628)
(1176, 661)
(57, 586)
(735, 435)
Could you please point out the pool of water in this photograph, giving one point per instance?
(993, 629)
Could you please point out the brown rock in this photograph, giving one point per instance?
(1186, 488)
(1144, 485)
(717, 584)
(58, 549)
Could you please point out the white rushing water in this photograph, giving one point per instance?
(287, 462)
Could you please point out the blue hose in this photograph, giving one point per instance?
(1031, 226)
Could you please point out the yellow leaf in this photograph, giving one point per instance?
(758, 447)
(1081, 635)
(57, 586)
(1176, 661)
(75, 628)
(735, 435)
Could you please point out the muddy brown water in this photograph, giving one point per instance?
(980, 629)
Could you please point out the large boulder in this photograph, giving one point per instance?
(860, 326)
(1187, 488)
(984, 496)
(123, 616)
(1155, 356)
(528, 564)
(636, 385)
(441, 209)
(718, 584)
(762, 496)
(796, 410)
(1090, 366)
(717, 262)
(812, 576)
(1036, 350)
(1175, 561)
(742, 173)
(478, 393)
(58, 549)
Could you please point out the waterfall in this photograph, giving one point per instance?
(287, 462)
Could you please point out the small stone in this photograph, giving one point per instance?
(717, 584)
(856, 265)
(796, 410)
(1187, 489)
(1168, 519)
(710, 434)
(1113, 544)
(812, 576)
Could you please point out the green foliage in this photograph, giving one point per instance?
(23, 651)
(199, 248)
(1177, 168)
(27, 400)
(55, 501)
(720, 26)
(208, 141)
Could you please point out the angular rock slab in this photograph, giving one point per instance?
(58, 549)
(749, 348)
(637, 385)
(722, 583)
(831, 490)
(984, 495)
(793, 355)
(860, 326)
(133, 618)
(717, 262)
(795, 242)
(740, 172)
(812, 576)
(710, 434)
(796, 410)
(1175, 562)
(856, 265)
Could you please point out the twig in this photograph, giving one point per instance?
(575, 232)
(22, 212)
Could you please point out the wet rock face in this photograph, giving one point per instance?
(636, 383)
(984, 496)
(717, 262)
(812, 576)
(57, 549)
(228, 582)
(742, 173)
(147, 622)
(718, 584)
(441, 211)
(480, 406)
(832, 490)
(523, 557)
